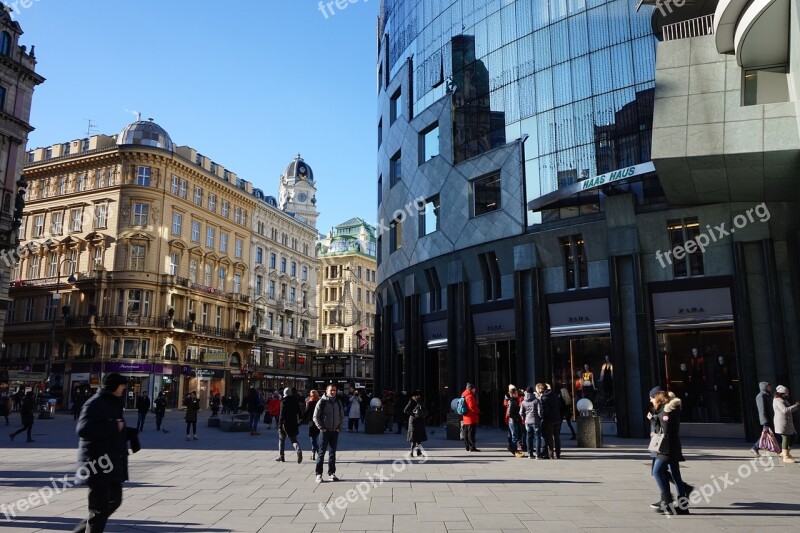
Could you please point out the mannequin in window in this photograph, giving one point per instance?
(723, 387)
(607, 377)
(579, 384)
(697, 384)
(587, 376)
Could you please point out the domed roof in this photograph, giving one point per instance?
(299, 168)
(145, 133)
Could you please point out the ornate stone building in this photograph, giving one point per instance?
(347, 283)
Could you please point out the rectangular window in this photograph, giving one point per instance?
(223, 242)
(292, 294)
(395, 168)
(176, 184)
(143, 176)
(218, 320)
(81, 182)
(271, 288)
(222, 277)
(62, 186)
(380, 133)
(100, 215)
(429, 218)
(193, 270)
(429, 143)
(575, 265)
(237, 283)
(395, 236)
(72, 264)
(293, 270)
(184, 187)
(195, 231)
(210, 237)
(239, 248)
(259, 255)
(283, 265)
(237, 215)
(75, 216)
(38, 226)
(99, 178)
(137, 257)
(225, 208)
(682, 231)
(395, 106)
(259, 285)
(490, 272)
(52, 265)
(272, 259)
(57, 222)
(177, 224)
(212, 203)
(173, 264)
(207, 275)
(204, 315)
(97, 259)
(486, 194)
(766, 85)
(140, 214)
(198, 195)
(29, 306)
(380, 189)
(304, 274)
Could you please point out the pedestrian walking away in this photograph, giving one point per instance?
(161, 409)
(551, 421)
(667, 420)
(192, 408)
(766, 415)
(784, 424)
(328, 417)
(471, 418)
(417, 413)
(26, 410)
(289, 424)
(255, 406)
(308, 417)
(103, 451)
(142, 407)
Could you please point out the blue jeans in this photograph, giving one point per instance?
(254, 416)
(534, 436)
(330, 439)
(662, 476)
(140, 421)
(513, 429)
(314, 443)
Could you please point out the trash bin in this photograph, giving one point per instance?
(374, 422)
(590, 431)
(453, 426)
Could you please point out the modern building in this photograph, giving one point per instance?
(18, 79)
(558, 151)
(284, 281)
(137, 259)
(346, 293)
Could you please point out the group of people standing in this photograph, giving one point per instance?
(775, 413)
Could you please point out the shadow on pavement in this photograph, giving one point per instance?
(67, 524)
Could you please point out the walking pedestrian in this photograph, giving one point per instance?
(566, 411)
(551, 421)
(161, 409)
(142, 407)
(531, 415)
(514, 420)
(26, 410)
(289, 424)
(766, 415)
(328, 417)
(784, 424)
(313, 430)
(355, 412)
(235, 403)
(417, 413)
(469, 421)
(255, 406)
(103, 451)
(273, 410)
(77, 403)
(667, 420)
(192, 408)
(215, 401)
(5, 406)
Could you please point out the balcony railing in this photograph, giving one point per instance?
(686, 29)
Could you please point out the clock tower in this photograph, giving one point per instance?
(298, 191)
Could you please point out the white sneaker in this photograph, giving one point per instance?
(195, 437)
(333, 477)
(319, 478)
(188, 437)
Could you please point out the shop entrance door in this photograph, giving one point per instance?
(436, 393)
(496, 364)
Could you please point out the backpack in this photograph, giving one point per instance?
(461, 406)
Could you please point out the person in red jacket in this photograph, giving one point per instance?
(273, 410)
(471, 419)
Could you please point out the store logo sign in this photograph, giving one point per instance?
(690, 310)
(578, 319)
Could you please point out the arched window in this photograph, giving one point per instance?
(5, 43)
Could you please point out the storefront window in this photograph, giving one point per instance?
(583, 365)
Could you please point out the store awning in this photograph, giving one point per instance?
(494, 325)
(697, 309)
(569, 192)
(580, 317)
(435, 333)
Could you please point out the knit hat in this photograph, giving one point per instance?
(780, 389)
(654, 391)
(512, 387)
(287, 392)
(114, 380)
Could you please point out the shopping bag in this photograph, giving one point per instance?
(768, 441)
(659, 443)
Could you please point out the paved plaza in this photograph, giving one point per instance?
(231, 482)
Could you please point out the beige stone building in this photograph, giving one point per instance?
(149, 245)
(17, 82)
(346, 296)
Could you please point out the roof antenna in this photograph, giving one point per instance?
(139, 116)
(90, 128)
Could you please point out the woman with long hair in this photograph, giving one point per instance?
(313, 430)
(667, 420)
(784, 425)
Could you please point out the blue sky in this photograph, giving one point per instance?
(248, 83)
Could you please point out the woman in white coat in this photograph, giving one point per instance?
(784, 425)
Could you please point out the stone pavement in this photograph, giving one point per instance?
(231, 482)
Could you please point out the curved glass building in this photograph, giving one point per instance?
(522, 206)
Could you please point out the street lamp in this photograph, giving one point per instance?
(56, 297)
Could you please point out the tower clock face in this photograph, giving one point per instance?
(302, 171)
(302, 197)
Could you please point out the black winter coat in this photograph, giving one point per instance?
(551, 406)
(291, 413)
(417, 413)
(668, 420)
(313, 430)
(161, 406)
(143, 404)
(100, 436)
(26, 409)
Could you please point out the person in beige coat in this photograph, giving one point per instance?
(784, 425)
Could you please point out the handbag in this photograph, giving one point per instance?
(659, 443)
(768, 441)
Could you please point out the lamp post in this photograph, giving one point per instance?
(54, 311)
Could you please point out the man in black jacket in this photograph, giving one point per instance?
(103, 451)
(26, 409)
(289, 424)
(766, 415)
(161, 409)
(142, 406)
(551, 422)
